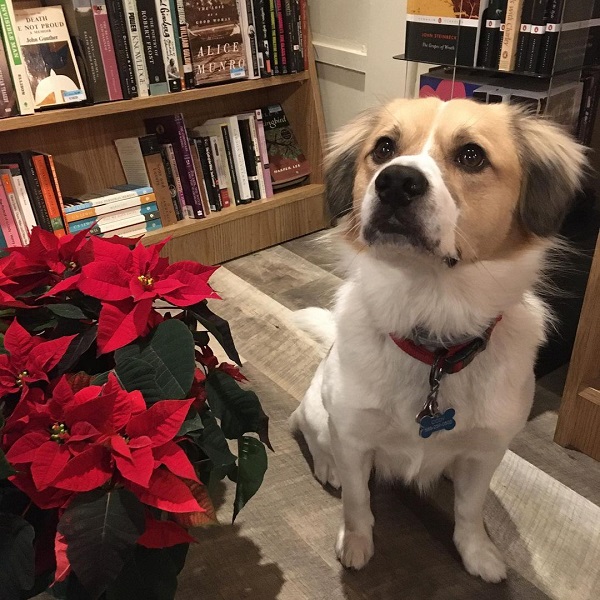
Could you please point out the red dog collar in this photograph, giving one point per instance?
(449, 360)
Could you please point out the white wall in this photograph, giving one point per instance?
(354, 43)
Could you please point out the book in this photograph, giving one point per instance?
(264, 155)
(149, 209)
(589, 106)
(20, 193)
(107, 50)
(7, 222)
(105, 196)
(489, 42)
(184, 42)
(172, 185)
(249, 38)
(261, 15)
(304, 30)
(508, 51)
(118, 27)
(15, 209)
(97, 211)
(438, 32)
(178, 45)
(109, 226)
(185, 210)
(216, 41)
(24, 161)
(14, 54)
(524, 35)
(55, 185)
(50, 199)
(221, 171)
(288, 35)
(249, 157)
(136, 230)
(536, 35)
(231, 164)
(134, 37)
(273, 32)
(8, 99)
(592, 53)
(254, 154)
(168, 43)
(200, 178)
(552, 20)
(283, 59)
(2, 240)
(208, 173)
(81, 26)
(152, 46)
(171, 130)
(142, 163)
(298, 39)
(288, 164)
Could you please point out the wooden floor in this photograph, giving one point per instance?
(542, 511)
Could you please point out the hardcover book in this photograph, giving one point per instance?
(249, 38)
(287, 161)
(48, 56)
(137, 50)
(184, 42)
(216, 40)
(508, 51)
(8, 98)
(445, 32)
(490, 40)
(169, 44)
(152, 46)
(118, 27)
(107, 49)
(21, 193)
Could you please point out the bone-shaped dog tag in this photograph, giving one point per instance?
(429, 424)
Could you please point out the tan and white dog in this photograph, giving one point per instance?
(452, 208)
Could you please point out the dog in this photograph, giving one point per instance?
(451, 210)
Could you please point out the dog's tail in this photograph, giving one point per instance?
(318, 323)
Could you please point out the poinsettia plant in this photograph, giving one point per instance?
(115, 416)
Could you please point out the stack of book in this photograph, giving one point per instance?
(527, 36)
(73, 51)
(224, 162)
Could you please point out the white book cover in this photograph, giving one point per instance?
(15, 208)
(132, 161)
(24, 202)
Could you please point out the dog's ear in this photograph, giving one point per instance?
(553, 169)
(341, 162)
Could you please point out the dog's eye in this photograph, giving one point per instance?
(471, 156)
(384, 150)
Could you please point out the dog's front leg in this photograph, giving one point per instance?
(472, 478)
(354, 461)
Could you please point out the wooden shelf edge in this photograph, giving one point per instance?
(77, 113)
(190, 226)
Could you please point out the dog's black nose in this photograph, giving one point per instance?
(400, 185)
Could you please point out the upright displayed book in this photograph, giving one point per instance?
(107, 49)
(490, 38)
(288, 165)
(216, 41)
(443, 31)
(512, 25)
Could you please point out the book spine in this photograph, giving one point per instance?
(207, 157)
(112, 217)
(524, 36)
(189, 175)
(248, 37)
(509, 41)
(186, 52)
(186, 210)
(35, 193)
(171, 183)
(204, 174)
(238, 159)
(298, 36)
(274, 38)
(16, 63)
(249, 158)
(538, 29)
(56, 187)
(262, 36)
(221, 174)
(39, 164)
(151, 44)
(264, 155)
(23, 199)
(7, 222)
(15, 209)
(283, 59)
(304, 29)
(8, 100)
(167, 42)
(89, 213)
(160, 185)
(136, 230)
(136, 47)
(288, 35)
(118, 28)
(252, 124)
(2, 240)
(549, 42)
(107, 50)
(113, 225)
(489, 43)
(177, 42)
(200, 177)
(231, 164)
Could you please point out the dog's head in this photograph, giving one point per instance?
(454, 180)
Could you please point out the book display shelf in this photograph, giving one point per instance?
(81, 140)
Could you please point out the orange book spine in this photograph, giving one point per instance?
(48, 193)
(88, 213)
(59, 200)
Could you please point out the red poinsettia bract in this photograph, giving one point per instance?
(128, 281)
(77, 442)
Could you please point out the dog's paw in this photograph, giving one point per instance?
(325, 470)
(354, 550)
(481, 557)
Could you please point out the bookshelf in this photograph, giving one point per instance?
(81, 140)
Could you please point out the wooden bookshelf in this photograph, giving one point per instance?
(81, 141)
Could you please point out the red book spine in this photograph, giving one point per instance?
(107, 50)
(7, 222)
(281, 37)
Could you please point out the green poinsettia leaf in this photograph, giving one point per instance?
(66, 311)
(193, 422)
(213, 443)
(201, 338)
(6, 469)
(3, 350)
(161, 367)
(252, 466)
(216, 326)
(151, 574)
(101, 378)
(239, 410)
(101, 529)
(76, 349)
(17, 557)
